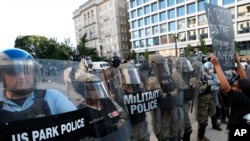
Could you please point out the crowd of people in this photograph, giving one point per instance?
(117, 108)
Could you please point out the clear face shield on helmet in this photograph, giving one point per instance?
(130, 76)
(20, 76)
(209, 68)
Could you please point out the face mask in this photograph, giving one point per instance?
(210, 71)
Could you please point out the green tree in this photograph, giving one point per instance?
(188, 50)
(237, 48)
(202, 47)
(133, 55)
(146, 54)
(87, 51)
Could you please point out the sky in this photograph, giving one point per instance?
(49, 18)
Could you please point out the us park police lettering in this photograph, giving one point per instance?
(49, 132)
(142, 102)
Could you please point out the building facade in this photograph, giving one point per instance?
(106, 24)
(168, 26)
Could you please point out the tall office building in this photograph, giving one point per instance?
(106, 24)
(167, 26)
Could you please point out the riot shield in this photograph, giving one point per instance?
(138, 100)
(169, 123)
(43, 103)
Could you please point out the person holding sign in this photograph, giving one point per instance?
(238, 94)
(21, 99)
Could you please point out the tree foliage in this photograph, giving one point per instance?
(87, 51)
(133, 55)
(43, 48)
(188, 50)
(146, 54)
(202, 47)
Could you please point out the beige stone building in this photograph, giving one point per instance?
(106, 24)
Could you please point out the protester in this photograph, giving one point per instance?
(238, 94)
(21, 99)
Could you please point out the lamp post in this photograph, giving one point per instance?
(101, 51)
(175, 42)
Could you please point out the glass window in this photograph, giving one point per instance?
(141, 22)
(191, 22)
(140, 12)
(142, 33)
(135, 34)
(179, 1)
(148, 31)
(149, 42)
(155, 30)
(214, 2)
(164, 39)
(146, 1)
(147, 9)
(172, 27)
(233, 12)
(180, 11)
(203, 33)
(132, 3)
(243, 27)
(156, 41)
(147, 20)
(154, 7)
(192, 35)
(191, 8)
(201, 5)
(182, 37)
(163, 16)
(162, 4)
(134, 24)
(163, 28)
(136, 44)
(243, 11)
(181, 24)
(142, 43)
(139, 2)
(171, 14)
(133, 14)
(224, 2)
(171, 2)
(202, 20)
(155, 18)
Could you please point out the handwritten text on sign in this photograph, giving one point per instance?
(222, 33)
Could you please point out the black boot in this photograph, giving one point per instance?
(202, 130)
(215, 123)
(187, 133)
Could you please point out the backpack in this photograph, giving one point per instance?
(116, 61)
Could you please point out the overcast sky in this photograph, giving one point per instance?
(49, 18)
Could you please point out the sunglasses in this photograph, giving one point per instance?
(17, 70)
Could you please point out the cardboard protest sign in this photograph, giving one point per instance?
(222, 34)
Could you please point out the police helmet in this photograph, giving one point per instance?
(208, 67)
(18, 62)
(129, 73)
(183, 65)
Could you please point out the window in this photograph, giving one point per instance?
(180, 11)
(149, 42)
(141, 22)
(225, 2)
(172, 26)
(156, 41)
(214, 2)
(162, 4)
(171, 2)
(142, 33)
(179, 1)
(182, 37)
(155, 18)
(148, 31)
(132, 3)
(155, 30)
(232, 12)
(139, 2)
(147, 20)
(136, 44)
(140, 12)
(154, 7)
(163, 16)
(191, 22)
(171, 14)
(202, 20)
(135, 34)
(134, 24)
(203, 33)
(201, 5)
(191, 8)
(133, 14)
(192, 35)
(147, 9)
(163, 28)
(164, 39)
(142, 43)
(181, 24)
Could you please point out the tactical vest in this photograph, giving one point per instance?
(101, 122)
(40, 108)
